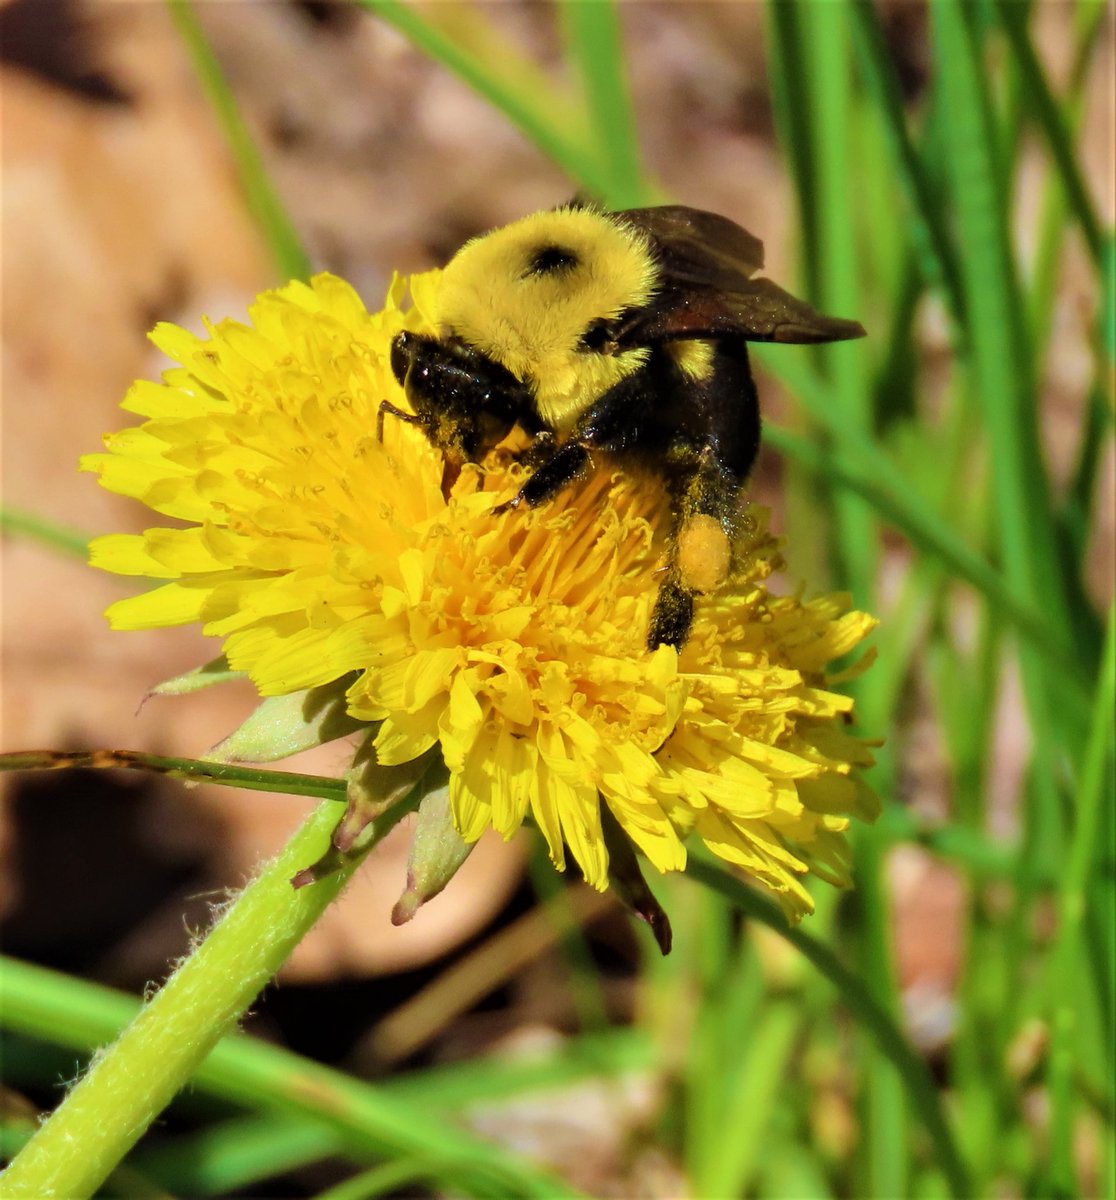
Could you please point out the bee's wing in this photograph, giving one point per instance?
(757, 310)
(701, 248)
(706, 263)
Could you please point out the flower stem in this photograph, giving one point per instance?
(131, 1082)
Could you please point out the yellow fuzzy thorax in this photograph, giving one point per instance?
(532, 322)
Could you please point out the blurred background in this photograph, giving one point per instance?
(943, 174)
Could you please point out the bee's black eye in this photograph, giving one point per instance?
(596, 337)
(547, 259)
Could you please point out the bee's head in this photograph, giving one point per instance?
(464, 401)
(540, 296)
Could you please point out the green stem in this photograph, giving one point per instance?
(289, 783)
(131, 1083)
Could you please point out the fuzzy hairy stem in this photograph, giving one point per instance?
(130, 1083)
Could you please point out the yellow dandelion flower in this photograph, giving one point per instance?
(514, 641)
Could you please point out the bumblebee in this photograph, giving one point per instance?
(623, 334)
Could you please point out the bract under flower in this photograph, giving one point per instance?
(513, 641)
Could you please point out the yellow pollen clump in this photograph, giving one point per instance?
(704, 553)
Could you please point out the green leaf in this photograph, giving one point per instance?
(284, 725)
(215, 671)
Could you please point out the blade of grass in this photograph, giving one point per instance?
(827, 84)
(1065, 962)
(48, 533)
(246, 1071)
(66, 1013)
(455, 1087)
(397, 1178)
(967, 693)
(864, 1008)
(929, 234)
(863, 467)
(594, 48)
(751, 1094)
(1048, 113)
(725, 983)
(468, 43)
(291, 261)
(1049, 258)
(1106, 315)
(786, 40)
(240, 1152)
(1002, 362)
(1004, 383)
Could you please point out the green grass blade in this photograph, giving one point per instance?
(1049, 255)
(396, 1178)
(865, 1009)
(466, 41)
(873, 475)
(1003, 383)
(291, 261)
(452, 1088)
(47, 533)
(727, 987)
(593, 47)
(1048, 113)
(238, 1153)
(60, 1009)
(1003, 378)
(786, 40)
(1106, 317)
(1066, 960)
(828, 86)
(752, 1095)
(929, 234)
(1002, 359)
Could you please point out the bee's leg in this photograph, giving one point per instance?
(673, 614)
(386, 406)
(539, 450)
(451, 472)
(705, 499)
(612, 423)
(562, 466)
